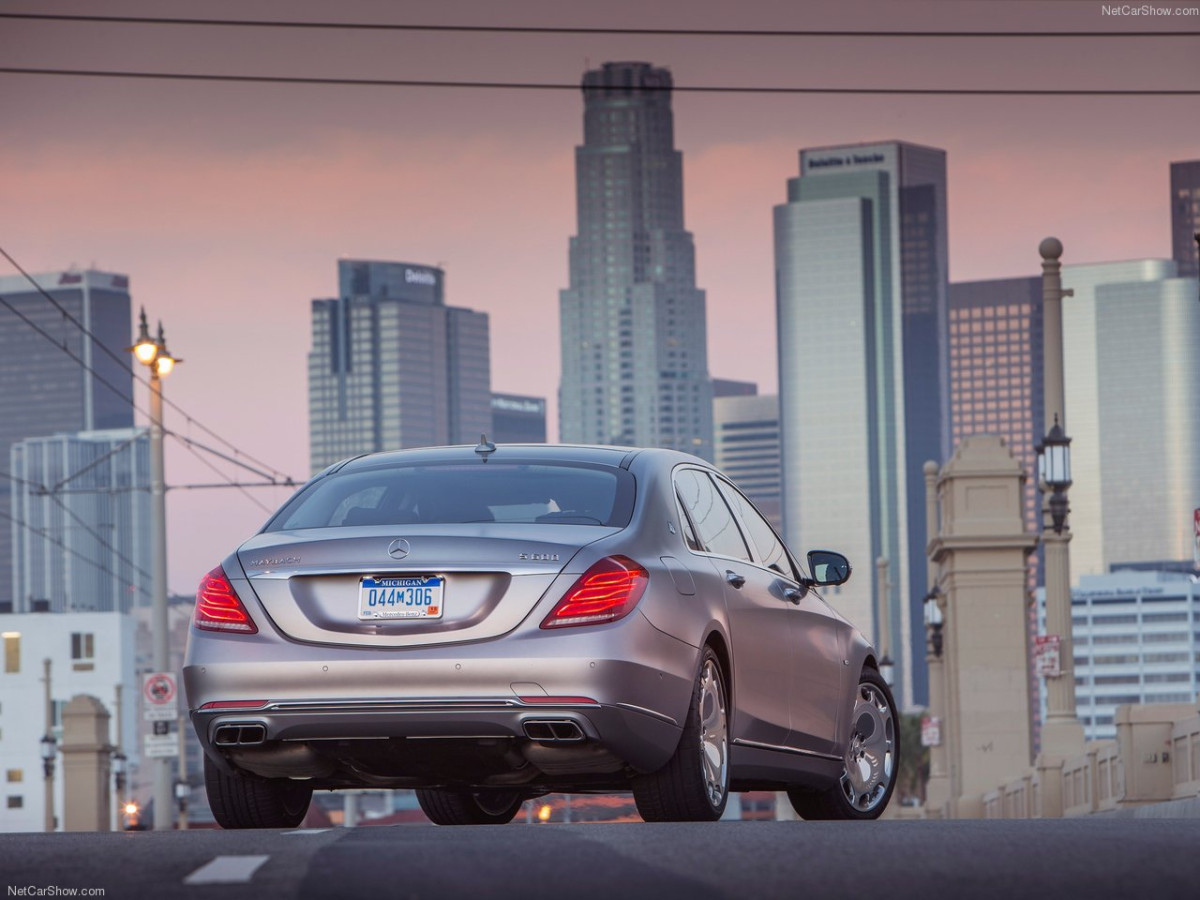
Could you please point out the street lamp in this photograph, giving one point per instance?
(153, 354)
(1054, 472)
(934, 620)
(1062, 734)
(120, 766)
(49, 747)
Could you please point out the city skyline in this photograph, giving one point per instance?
(225, 205)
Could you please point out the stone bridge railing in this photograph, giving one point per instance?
(1154, 759)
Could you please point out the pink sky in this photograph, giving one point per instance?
(229, 205)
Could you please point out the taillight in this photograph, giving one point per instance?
(606, 592)
(218, 607)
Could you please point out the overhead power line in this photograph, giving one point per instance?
(124, 361)
(587, 30)
(552, 86)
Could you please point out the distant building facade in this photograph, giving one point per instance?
(1136, 637)
(727, 387)
(634, 344)
(85, 499)
(861, 274)
(517, 419)
(89, 653)
(392, 366)
(1185, 217)
(1132, 407)
(746, 448)
(43, 390)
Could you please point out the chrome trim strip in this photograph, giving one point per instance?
(759, 746)
(386, 705)
(649, 712)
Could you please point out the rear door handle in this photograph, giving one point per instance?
(734, 578)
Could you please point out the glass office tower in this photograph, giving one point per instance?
(64, 384)
(392, 366)
(634, 351)
(1131, 382)
(86, 547)
(861, 280)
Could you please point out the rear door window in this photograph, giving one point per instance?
(716, 529)
(771, 550)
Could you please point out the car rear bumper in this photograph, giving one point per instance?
(549, 690)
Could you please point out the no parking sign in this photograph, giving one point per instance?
(160, 699)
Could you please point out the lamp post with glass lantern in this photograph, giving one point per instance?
(49, 747)
(153, 353)
(1062, 734)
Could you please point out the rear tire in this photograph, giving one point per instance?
(694, 784)
(247, 801)
(872, 755)
(466, 808)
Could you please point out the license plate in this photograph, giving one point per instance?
(401, 597)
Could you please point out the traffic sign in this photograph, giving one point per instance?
(160, 699)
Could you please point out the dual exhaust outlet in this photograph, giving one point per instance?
(247, 735)
(553, 731)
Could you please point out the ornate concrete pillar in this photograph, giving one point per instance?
(981, 550)
(85, 753)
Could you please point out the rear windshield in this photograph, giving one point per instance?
(572, 494)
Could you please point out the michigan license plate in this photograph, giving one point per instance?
(401, 597)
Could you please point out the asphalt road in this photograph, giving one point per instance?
(894, 860)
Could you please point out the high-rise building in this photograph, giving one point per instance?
(392, 366)
(634, 346)
(1136, 637)
(861, 274)
(1185, 217)
(996, 370)
(517, 419)
(65, 384)
(1131, 381)
(746, 448)
(84, 500)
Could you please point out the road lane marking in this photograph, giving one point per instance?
(226, 870)
(307, 831)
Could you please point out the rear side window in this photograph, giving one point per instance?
(544, 494)
(715, 526)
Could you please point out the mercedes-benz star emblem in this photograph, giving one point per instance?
(398, 549)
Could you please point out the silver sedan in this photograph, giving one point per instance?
(487, 625)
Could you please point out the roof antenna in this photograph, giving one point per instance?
(485, 447)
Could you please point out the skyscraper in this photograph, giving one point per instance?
(43, 390)
(85, 499)
(1131, 381)
(634, 345)
(996, 370)
(746, 448)
(861, 275)
(392, 366)
(1185, 216)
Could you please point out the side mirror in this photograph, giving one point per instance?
(828, 568)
